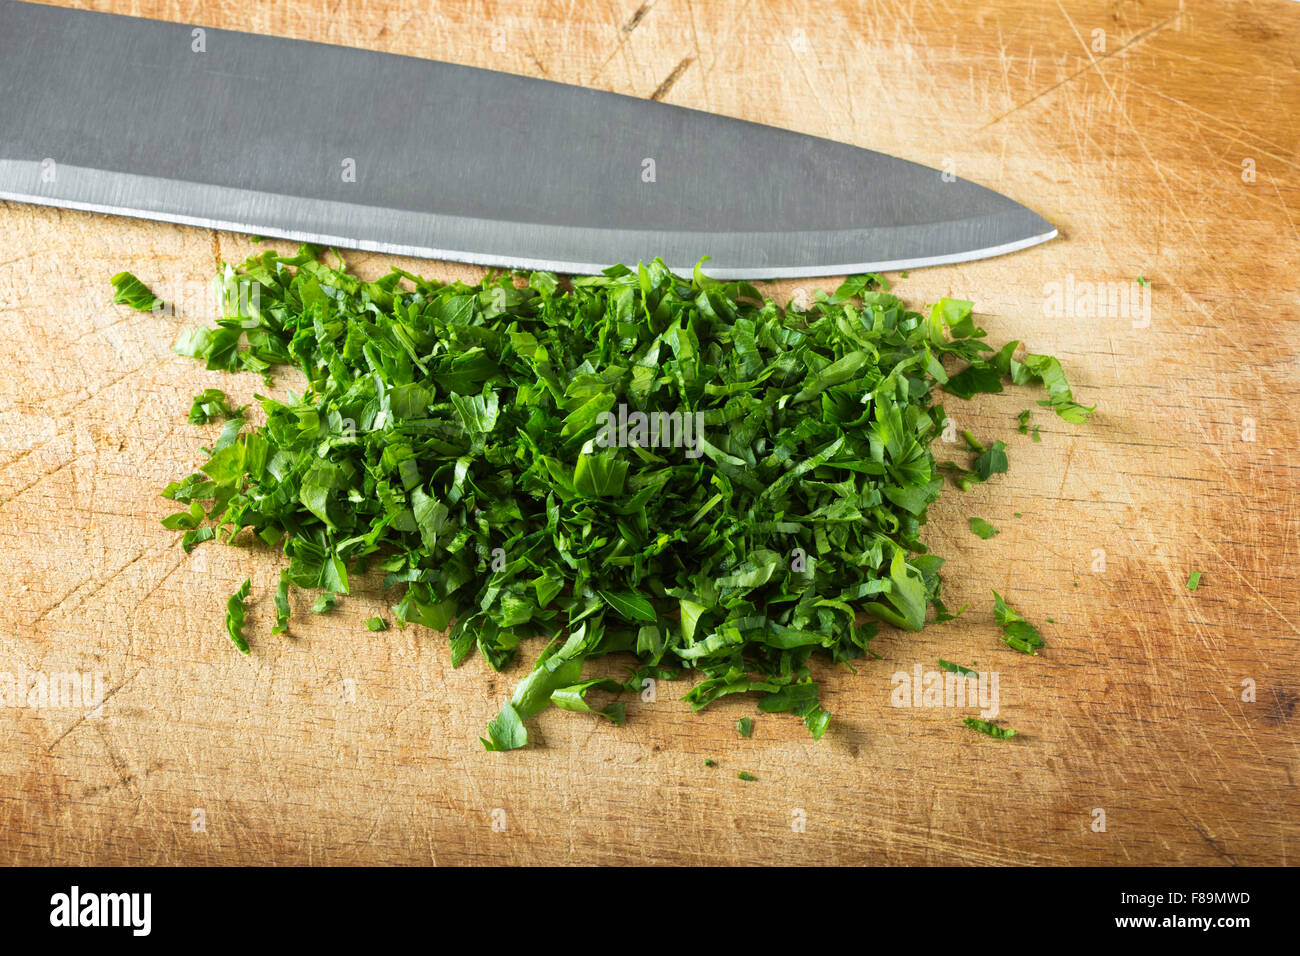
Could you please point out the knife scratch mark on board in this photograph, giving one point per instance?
(1282, 203)
(1246, 581)
(1175, 197)
(82, 719)
(1249, 137)
(1084, 69)
(1205, 836)
(672, 78)
(637, 17)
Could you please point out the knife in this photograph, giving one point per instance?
(365, 150)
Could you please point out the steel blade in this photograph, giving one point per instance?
(375, 151)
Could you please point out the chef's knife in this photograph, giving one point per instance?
(365, 150)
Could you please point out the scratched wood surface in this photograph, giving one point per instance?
(1160, 137)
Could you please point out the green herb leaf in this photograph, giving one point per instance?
(989, 729)
(209, 404)
(1017, 633)
(282, 605)
(128, 290)
(992, 462)
(983, 528)
(235, 616)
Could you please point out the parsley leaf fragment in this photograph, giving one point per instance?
(128, 290)
(1017, 633)
(235, 616)
(957, 668)
(989, 729)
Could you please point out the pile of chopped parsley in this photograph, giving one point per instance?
(480, 447)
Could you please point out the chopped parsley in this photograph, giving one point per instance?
(636, 462)
(957, 668)
(1017, 633)
(235, 616)
(989, 729)
(128, 290)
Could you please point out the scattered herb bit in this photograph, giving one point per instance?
(235, 616)
(957, 668)
(1017, 633)
(1142, 281)
(480, 445)
(857, 285)
(986, 375)
(989, 729)
(709, 762)
(196, 536)
(745, 726)
(1036, 435)
(190, 518)
(1051, 620)
(983, 528)
(131, 291)
(376, 624)
(992, 462)
(282, 605)
(1194, 581)
(972, 442)
(1023, 421)
(1019, 515)
(209, 404)
(746, 775)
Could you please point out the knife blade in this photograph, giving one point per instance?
(366, 150)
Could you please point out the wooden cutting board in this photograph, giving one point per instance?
(1160, 137)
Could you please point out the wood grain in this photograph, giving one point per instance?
(340, 746)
